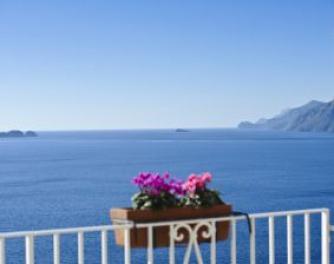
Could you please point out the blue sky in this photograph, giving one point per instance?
(160, 64)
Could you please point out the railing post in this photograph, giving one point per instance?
(29, 245)
(290, 239)
(213, 246)
(56, 249)
(233, 242)
(2, 250)
(325, 239)
(271, 240)
(127, 246)
(307, 239)
(150, 259)
(252, 242)
(104, 247)
(171, 245)
(81, 248)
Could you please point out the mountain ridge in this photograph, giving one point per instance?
(315, 116)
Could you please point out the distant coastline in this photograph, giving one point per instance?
(314, 116)
(17, 134)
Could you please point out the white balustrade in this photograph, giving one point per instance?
(206, 228)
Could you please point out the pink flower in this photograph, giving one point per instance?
(196, 182)
(206, 177)
(192, 177)
(201, 183)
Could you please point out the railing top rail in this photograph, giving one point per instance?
(241, 217)
(291, 212)
(129, 225)
(61, 231)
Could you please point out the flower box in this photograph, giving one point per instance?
(139, 236)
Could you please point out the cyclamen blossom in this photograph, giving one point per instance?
(155, 184)
(196, 182)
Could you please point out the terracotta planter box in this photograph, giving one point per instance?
(161, 234)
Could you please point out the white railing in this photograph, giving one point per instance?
(29, 237)
(192, 227)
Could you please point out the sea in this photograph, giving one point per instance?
(72, 179)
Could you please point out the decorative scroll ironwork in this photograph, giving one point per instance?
(192, 234)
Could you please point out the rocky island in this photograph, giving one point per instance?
(181, 130)
(17, 134)
(314, 116)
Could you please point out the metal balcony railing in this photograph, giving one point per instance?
(193, 247)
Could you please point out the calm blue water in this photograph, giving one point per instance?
(65, 179)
